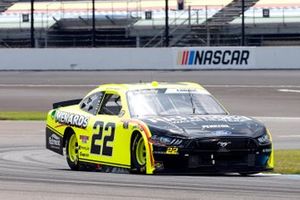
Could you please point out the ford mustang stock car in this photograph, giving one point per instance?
(156, 128)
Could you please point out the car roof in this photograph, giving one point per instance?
(151, 85)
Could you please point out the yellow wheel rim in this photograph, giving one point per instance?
(140, 152)
(73, 149)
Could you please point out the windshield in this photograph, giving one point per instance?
(153, 102)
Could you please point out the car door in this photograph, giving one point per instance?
(89, 108)
(109, 139)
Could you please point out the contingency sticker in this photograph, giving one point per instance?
(185, 91)
(198, 118)
(54, 141)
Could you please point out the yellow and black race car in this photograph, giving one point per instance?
(157, 127)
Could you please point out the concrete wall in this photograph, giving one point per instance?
(151, 58)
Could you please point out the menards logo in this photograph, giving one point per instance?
(213, 57)
(71, 119)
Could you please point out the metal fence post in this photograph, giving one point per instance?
(94, 25)
(32, 24)
(167, 39)
(189, 10)
(243, 23)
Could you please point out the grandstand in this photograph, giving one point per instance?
(123, 23)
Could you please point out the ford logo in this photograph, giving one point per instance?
(223, 144)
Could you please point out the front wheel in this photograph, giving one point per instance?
(72, 152)
(138, 154)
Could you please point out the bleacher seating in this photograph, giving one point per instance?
(204, 17)
(113, 5)
(287, 11)
(5, 4)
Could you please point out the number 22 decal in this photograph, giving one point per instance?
(96, 148)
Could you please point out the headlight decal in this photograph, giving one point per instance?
(264, 139)
(165, 141)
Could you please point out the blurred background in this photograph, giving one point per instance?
(148, 23)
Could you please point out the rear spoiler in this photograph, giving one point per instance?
(66, 103)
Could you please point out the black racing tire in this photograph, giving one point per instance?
(72, 152)
(248, 173)
(138, 155)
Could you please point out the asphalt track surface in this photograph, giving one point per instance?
(28, 171)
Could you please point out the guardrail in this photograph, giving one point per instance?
(197, 58)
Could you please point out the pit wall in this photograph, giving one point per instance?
(194, 58)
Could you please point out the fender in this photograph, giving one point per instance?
(146, 134)
(271, 159)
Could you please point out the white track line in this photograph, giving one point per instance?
(93, 85)
(276, 118)
(268, 174)
(289, 136)
(44, 85)
(288, 90)
(254, 86)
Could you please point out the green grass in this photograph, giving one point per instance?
(23, 115)
(287, 161)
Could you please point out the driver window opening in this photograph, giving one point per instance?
(91, 103)
(111, 105)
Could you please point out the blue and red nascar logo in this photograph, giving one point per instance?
(186, 57)
(213, 57)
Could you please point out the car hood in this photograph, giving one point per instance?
(195, 126)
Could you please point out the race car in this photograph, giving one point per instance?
(157, 128)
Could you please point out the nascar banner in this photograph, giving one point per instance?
(214, 57)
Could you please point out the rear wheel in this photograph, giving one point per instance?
(72, 152)
(138, 154)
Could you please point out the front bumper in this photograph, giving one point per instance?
(240, 155)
